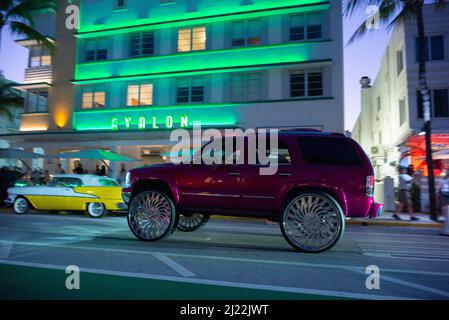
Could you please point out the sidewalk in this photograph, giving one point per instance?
(387, 220)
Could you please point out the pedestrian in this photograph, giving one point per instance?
(79, 168)
(60, 169)
(405, 197)
(122, 177)
(443, 190)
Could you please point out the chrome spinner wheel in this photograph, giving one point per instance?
(191, 222)
(151, 215)
(312, 222)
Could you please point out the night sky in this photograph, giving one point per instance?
(362, 58)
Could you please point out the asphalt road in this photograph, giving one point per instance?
(230, 259)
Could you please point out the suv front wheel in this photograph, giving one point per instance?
(312, 222)
(152, 215)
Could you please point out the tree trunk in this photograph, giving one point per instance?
(425, 94)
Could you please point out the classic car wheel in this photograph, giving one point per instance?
(191, 222)
(96, 209)
(152, 215)
(312, 222)
(21, 205)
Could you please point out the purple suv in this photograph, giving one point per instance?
(321, 179)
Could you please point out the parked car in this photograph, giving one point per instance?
(71, 192)
(322, 178)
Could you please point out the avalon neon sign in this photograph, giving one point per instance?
(145, 123)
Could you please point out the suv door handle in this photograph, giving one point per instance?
(234, 174)
(285, 174)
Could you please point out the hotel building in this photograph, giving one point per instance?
(136, 69)
(391, 117)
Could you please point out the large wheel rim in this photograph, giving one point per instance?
(96, 209)
(190, 221)
(21, 205)
(312, 222)
(150, 215)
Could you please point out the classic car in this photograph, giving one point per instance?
(69, 192)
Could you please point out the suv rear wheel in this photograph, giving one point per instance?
(152, 215)
(312, 222)
(191, 222)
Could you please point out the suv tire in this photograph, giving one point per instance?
(152, 215)
(312, 222)
(191, 222)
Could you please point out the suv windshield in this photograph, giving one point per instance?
(331, 151)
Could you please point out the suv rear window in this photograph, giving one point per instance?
(331, 151)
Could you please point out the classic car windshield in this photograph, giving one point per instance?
(65, 182)
(108, 183)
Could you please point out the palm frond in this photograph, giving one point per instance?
(21, 28)
(349, 6)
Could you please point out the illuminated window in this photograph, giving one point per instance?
(140, 95)
(39, 57)
(246, 86)
(36, 101)
(96, 49)
(141, 44)
(93, 98)
(305, 26)
(190, 90)
(246, 33)
(191, 39)
(306, 83)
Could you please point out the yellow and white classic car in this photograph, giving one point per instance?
(70, 192)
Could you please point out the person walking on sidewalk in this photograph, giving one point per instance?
(444, 191)
(405, 197)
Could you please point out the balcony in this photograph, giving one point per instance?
(205, 62)
(36, 75)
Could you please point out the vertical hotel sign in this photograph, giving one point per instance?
(157, 118)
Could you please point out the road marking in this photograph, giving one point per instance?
(409, 284)
(5, 249)
(338, 294)
(173, 265)
(246, 260)
(398, 256)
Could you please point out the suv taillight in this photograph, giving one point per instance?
(369, 186)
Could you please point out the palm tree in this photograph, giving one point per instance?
(390, 14)
(10, 99)
(17, 15)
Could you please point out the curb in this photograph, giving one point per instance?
(395, 223)
(361, 222)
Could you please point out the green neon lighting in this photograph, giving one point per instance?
(208, 11)
(214, 61)
(155, 118)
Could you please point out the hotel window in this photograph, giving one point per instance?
(141, 44)
(93, 98)
(400, 60)
(402, 112)
(36, 101)
(96, 49)
(191, 39)
(120, 4)
(306, 83)
(305, 26)
(39, 57)
(433, 47)
(140, 95)
(246, 33)
(441, 103)
(246, 86)
(190, 90)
